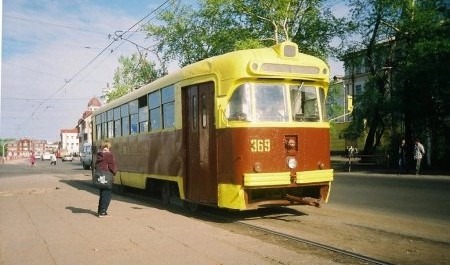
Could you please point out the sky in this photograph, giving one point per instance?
(57, 55)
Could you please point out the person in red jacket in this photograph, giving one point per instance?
(32, 159)
(105, 163)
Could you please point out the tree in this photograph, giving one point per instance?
(134, 72)
(422, 79)
(220, 26)
(374, 22)
(405, 49)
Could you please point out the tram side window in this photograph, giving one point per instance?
(110, 121)
(98, 127)
(143, 114)
(168, 107)
(154, 105)
(304, 102)
(143, 117)
(239, 107)
(110, 129)
(99, 131)
(322, 103)
(134, 117)
(204, 111)
(124, 113)
(117, 128)
(104, 130)
(134, 120)
(117, 123)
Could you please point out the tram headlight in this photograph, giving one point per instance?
(291, 162)
(257, 167)
(321, 165)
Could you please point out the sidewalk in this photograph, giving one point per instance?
(341, 165)
(47, 220)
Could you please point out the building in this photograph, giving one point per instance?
(85, 123)
(23, 148)
(52, 147)
(354, 83)
(357, 71)
(69, 141)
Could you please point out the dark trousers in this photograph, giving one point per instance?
(418, 162)
(104, 200)
(402, 166)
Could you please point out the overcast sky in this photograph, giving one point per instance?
(52, 59)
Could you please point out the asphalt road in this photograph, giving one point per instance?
(422, 196)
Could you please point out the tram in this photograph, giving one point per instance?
(242, 130)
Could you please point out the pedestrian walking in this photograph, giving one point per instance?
(53, 159)
(419, 152)
(32, 159)
(402, 163)
(105, 169)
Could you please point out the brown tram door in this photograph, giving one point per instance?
(199, 141)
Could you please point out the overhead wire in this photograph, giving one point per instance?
(120, 37)
(160, 9)
(50, 24)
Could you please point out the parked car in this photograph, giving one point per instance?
(46, 156)
(67, 157)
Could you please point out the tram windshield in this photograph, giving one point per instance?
(262, 102)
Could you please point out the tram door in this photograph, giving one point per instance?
(199, 136)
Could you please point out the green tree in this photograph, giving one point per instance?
(219, 26)
(421, 75)
(375, 23)
(404, 48)
(134, 72)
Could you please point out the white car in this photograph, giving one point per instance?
(46, 156)
(67, 158)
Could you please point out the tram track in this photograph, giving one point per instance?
(353, 255)
(243, 223)
(216, 216)
(345, 256)
(219, 217)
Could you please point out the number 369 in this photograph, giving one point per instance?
(260, 145)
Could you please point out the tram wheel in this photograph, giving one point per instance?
(191, 206)
(165, 193)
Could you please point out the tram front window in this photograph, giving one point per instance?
(239, 106)
(304, 103)
(265, 102)
(270, 103)
(258, 102)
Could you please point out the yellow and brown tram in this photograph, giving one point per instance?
(241, 130)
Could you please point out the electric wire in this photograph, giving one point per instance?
(114, 40)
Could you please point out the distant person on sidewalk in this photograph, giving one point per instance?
(402, 150)
(32, 159)
(419, 151)
(53, 159)
(105, 165)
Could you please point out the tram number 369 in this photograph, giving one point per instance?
(260, 145)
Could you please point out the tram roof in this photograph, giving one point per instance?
(238, 64)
